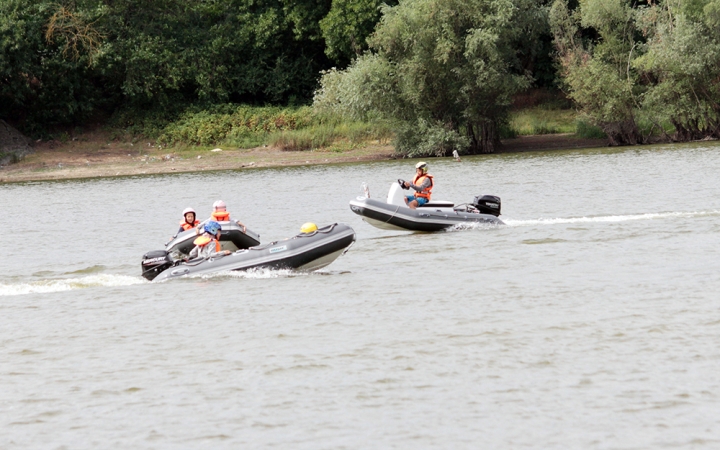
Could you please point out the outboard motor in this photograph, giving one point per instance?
(154, 263)
(487, 204)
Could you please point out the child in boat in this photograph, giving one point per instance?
(220, 214)
(208, 244)
(189, 221)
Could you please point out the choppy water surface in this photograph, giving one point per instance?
(590, 321)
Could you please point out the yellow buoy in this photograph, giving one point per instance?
(308, 227)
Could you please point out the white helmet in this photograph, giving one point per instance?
(422, 165)
(219, 204)
(189, 210)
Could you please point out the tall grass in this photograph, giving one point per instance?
(542, 120)
(291, 128)
(327, 135)
(585, 130)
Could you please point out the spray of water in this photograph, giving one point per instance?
(618, 218)
(259, 273)
(68, 284)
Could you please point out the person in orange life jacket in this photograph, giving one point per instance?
(220, 214)
(189, 221)
(422, 184)
(208, 244)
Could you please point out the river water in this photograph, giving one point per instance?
(591, 320)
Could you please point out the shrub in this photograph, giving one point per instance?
(543, 127)
(585, 130)
(423, 138)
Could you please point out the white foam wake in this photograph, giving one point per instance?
(620, 218)
(68, 284)
(260, 273)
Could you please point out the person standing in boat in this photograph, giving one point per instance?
(189, 221)
(422, 184)
(208, 244)
(220, 214)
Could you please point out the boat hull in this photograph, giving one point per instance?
(304, 252)
(389, 216)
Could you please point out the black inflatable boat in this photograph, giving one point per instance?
(304, 252)
(394, 214)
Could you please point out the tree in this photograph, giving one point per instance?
(449, 67)
(642, 66)
(44, 74)
(347, 26)
(61, 62)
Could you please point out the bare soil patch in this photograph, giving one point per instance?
(549, 142)
(95, 155)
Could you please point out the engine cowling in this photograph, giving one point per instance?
(487, 204)
(154, 263)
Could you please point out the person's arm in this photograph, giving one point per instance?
(240, 224)
(180, 230)
(425, 184)
(194, 252)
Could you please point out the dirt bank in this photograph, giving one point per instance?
(94, 155)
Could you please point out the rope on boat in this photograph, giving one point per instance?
(393, 214)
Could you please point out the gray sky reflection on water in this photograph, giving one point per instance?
(588, 321)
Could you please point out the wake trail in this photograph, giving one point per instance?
(68, 284)
(256, 273)
(614, 218)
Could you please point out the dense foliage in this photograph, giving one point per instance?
(62, 62)
(644, 68)
(446, 70)
(443, 73)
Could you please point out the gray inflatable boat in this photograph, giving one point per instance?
(232, 238)
(394, 214)
(304, 252)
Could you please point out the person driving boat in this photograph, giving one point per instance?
(422, 184)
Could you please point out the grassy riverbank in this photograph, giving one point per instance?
(250, 138)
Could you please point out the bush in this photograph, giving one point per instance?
(585, 130)
(543, 127)
(422, 138)
(508, 132)
(244, 125)
(326, 134)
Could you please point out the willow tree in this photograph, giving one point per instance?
(598, 72)
(445, 70)
(683, 61)
(638, 70)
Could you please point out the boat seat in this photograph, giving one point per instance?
(438, 204)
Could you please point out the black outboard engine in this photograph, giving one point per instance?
(487, 204)
(154, 263)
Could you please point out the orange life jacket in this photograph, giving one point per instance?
(202, 241)
(418, 180)
(221, 216)
(186, 226)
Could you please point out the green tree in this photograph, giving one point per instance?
(60, 62)
(43, 75)
(446, 67)
(347, 26)
(654, 64)
(598, 73)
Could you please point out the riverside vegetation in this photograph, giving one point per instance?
(432, 76)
